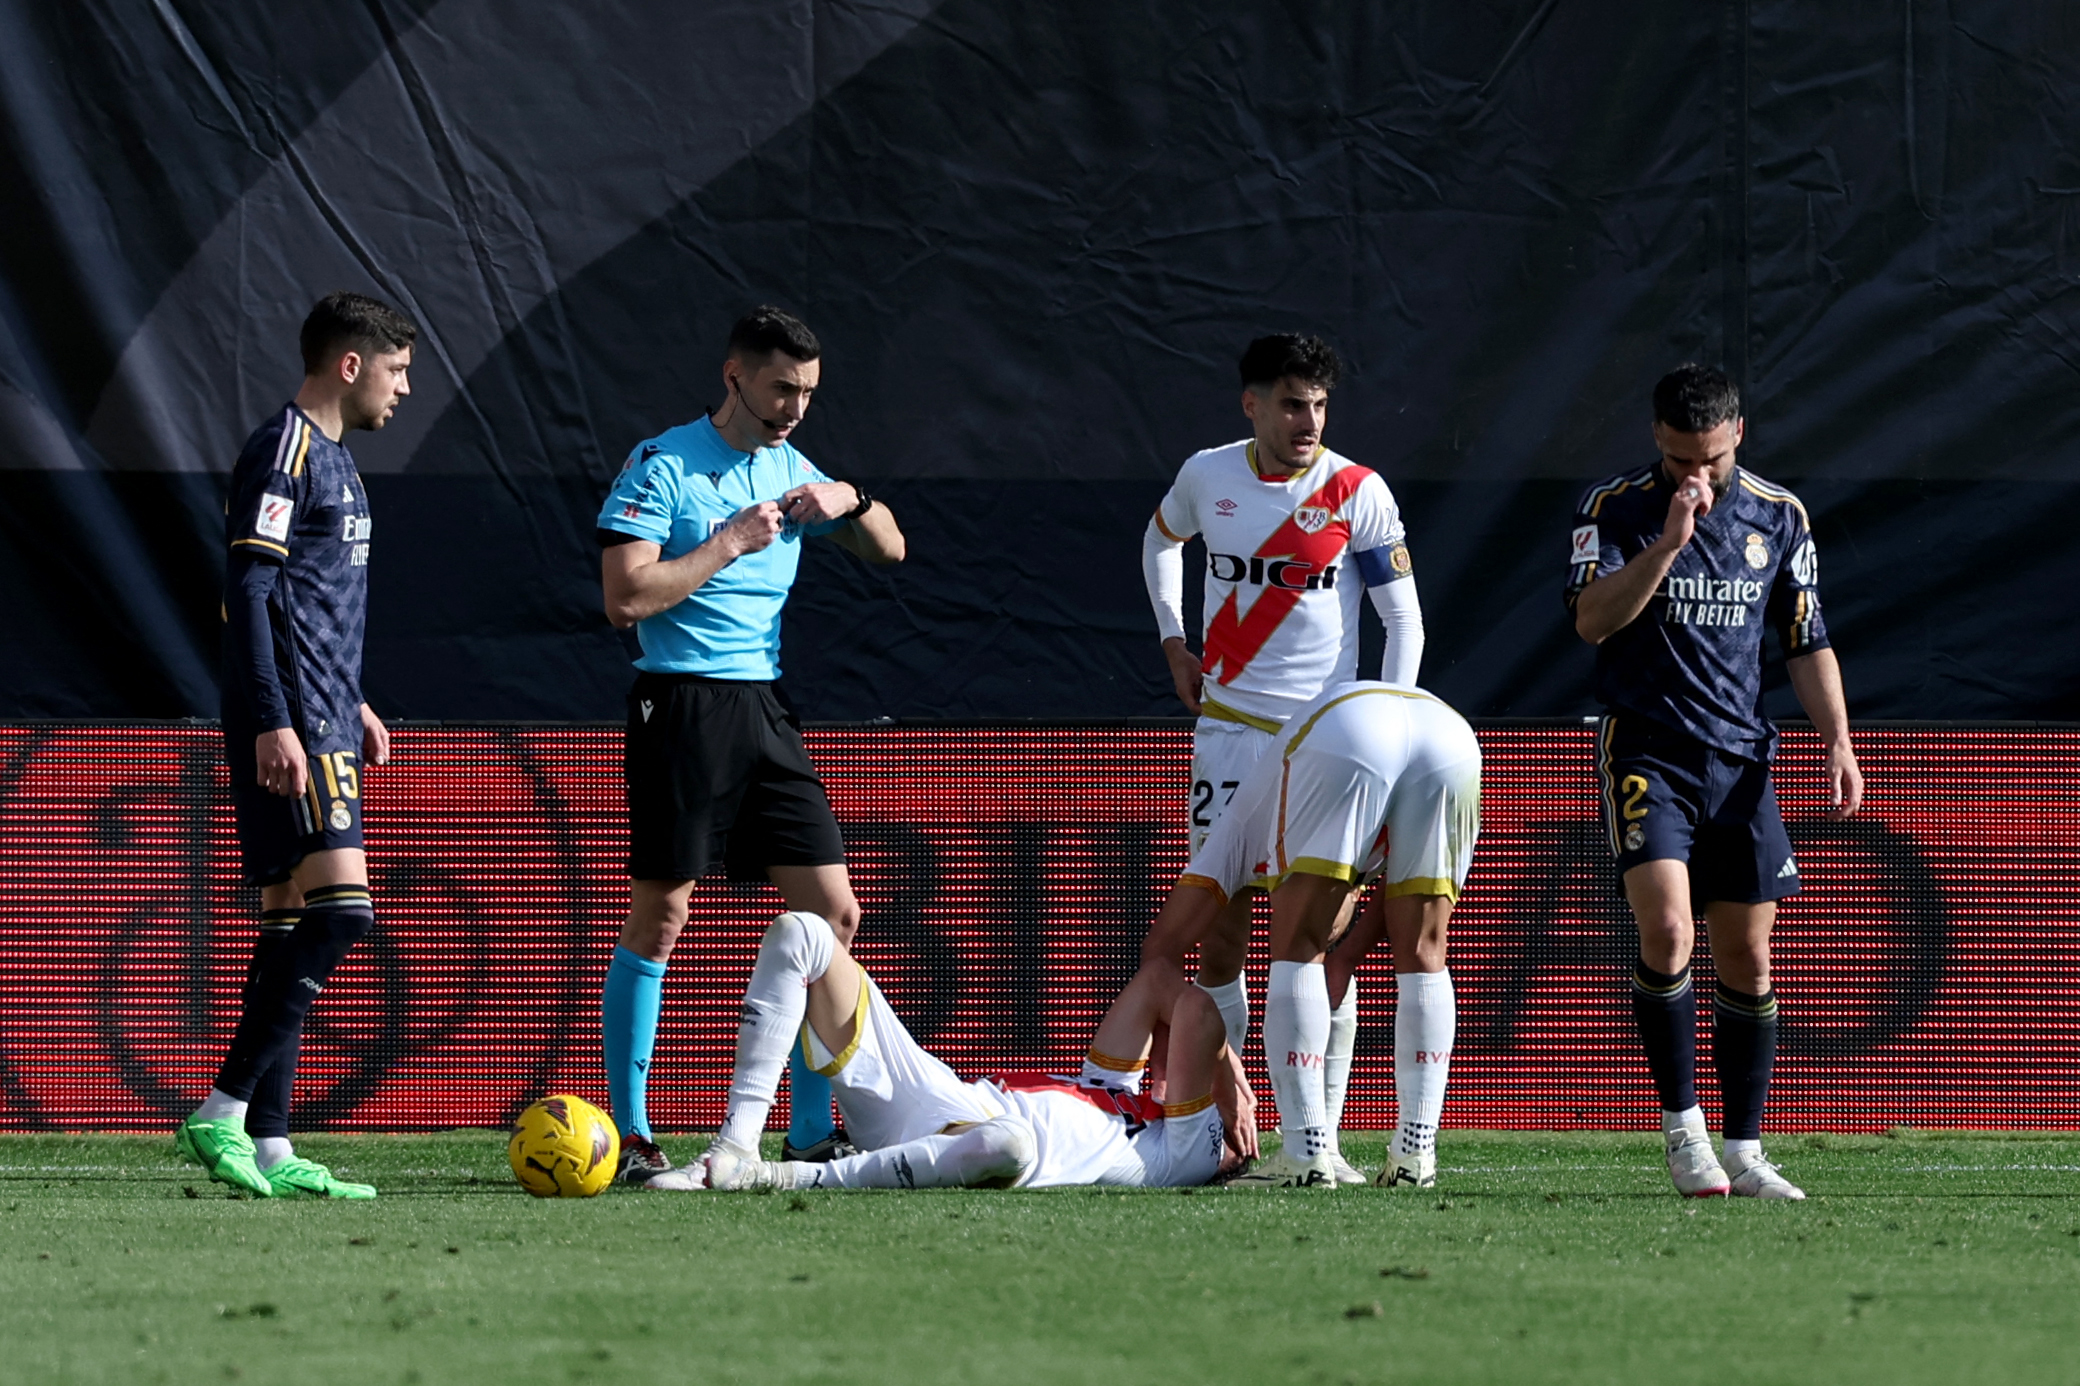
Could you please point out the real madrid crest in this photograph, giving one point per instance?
(1758, 552)
(341, 819)
(1311, 518)
(1635, 837)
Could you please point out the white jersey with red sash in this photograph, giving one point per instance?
(1281, 607)
(1089, 1135)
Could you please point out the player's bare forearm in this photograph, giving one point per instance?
(1609, 604)
(874, 536)
(1817, 680)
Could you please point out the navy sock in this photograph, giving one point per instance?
(1744, 1048)
(1665, 1009)
(281, 990)
(269, 1113)
(628, 1010)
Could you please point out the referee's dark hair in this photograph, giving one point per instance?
(1696, 399)
(344, 322)
(766, 329)
(1271, 359)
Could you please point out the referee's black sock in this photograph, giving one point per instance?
(1744, 1047)
(1665, 1009)
(269, 1113)
(334, 918)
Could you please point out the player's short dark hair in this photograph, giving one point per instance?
(1696, 399)
(1271, 359)
(345, 322)
(766, 329)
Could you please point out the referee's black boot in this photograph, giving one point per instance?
(836, 1146)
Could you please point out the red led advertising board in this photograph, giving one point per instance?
(1929, 971)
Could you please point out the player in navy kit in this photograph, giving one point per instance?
(296, 731)
(1677, 569)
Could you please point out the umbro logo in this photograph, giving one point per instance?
(1226, 507)
(1789, 868)
(647, 707)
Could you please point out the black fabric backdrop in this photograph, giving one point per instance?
(1034, 239)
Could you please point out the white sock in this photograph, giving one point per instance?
(995, 1153)
(1689, 1120)
(1336, 1059)
(1426, 1020)
(1233, 1000)
(269, 1151)
(796, 951)
(1296, 1031)
(1105, 1071)
(220, 1106)
(1740, 1150)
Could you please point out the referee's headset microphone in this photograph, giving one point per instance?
(746, 405)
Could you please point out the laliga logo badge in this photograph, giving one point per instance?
(1634, 837)
(1758, 553)
(1311, 518)
(341, 819)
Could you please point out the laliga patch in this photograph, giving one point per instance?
(1586, 545)
(1758, 552)
(1311, 518)
(274, 517)
(1398, 559)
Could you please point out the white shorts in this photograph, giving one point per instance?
(1222, 754)
(1362, 795)
(888, 1087)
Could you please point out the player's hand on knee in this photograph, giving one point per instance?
(754, 527)
(281, 764)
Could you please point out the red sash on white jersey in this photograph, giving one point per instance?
(1232, 639)
(1133, 1106)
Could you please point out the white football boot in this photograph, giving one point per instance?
(1755, 1176)
(1409, 1172)
(1693, 1166)
(1348, 1175)
(727, 1168)
(1282, 1171)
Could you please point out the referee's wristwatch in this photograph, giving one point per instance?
(866, 502)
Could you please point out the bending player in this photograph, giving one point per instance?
(1369, 779)
(918, 1126)
(1294, 532)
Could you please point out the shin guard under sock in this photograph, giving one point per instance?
(1296, 1031)
(334, 919)
(1426, 1023)
(268, 1113)
(1665, 1009)
(629, 1005)
(1337, 1056)
(797, 950)
(1744, 1050)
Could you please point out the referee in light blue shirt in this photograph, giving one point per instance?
(701, 538)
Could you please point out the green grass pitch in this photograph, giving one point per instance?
(1548, 1258)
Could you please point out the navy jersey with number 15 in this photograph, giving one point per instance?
(297, 501)
(1693, 659)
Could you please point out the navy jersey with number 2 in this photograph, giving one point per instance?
(1693, 659)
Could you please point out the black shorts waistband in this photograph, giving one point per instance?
(652, 677)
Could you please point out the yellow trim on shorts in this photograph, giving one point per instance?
(1185, 1109)
(1221, 712)
(1111, 1064)
(1421, 885)
(1323, 711)
(859, 1032)
(1191, 878)
(1319, 866)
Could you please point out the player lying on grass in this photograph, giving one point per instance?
(919, 1126)
(1368, 780)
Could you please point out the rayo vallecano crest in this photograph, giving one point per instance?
(1311, 518)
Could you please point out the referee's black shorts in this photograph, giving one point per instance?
(716, 769)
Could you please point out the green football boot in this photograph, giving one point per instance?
(225, 1150)
(296, 1177)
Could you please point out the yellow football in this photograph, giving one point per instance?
(564, 1147)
